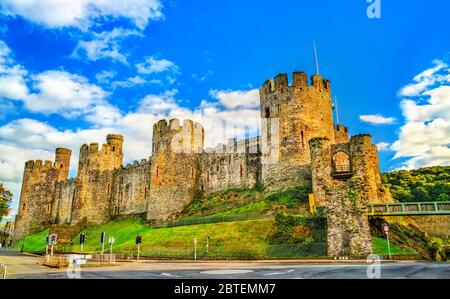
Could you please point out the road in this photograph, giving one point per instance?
(29, 267)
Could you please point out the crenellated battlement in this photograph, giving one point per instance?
(108, 157)
(299, 81)
(185, 138)
(137, 164)
(234, 146)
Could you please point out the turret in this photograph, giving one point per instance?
(341, 134)
(364, 163)
(62, 162)
(292, 115)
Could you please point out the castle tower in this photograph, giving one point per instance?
(91, 202)
(341, 134)
(293, 115)
(62, 161)
(364, 162)
(174, 168)
(321, 168)
(38, 192)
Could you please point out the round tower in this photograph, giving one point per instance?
(115, 142)
(364, 163)
(174, 156)
(293, 115)
(62, 162)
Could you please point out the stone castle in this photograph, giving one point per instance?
(299, 141)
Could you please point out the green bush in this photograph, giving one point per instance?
(292, 197)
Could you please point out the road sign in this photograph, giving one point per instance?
(386, 228)
(111, 240)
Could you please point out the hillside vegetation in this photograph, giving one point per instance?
(425, 184)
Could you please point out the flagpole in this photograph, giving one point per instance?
(317, 60)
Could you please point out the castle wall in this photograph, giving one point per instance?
(302, 111)
(62, 206)
(131, 188)
(236, 165)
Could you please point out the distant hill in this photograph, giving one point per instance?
(424, 184)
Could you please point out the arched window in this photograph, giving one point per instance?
(341, 162)
(241, 171)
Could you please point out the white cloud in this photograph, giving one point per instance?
(383, 146)
(83, 13)
(105, 76)
(235, 99)
(104, 45)
(134, 81)
(153, 65)
(424, 80)
(424, 139)
(377, 119)
(50, 92)
(12, 76)
(64, 93)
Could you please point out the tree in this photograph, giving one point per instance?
(5, 201)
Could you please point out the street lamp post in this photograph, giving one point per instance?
(386, 230)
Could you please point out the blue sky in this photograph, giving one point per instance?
(71, 73)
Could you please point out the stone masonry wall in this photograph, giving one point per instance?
(131, 188)
(434, 225)
(348, 232)
(236, 165)
(174, 167)
(62, 205)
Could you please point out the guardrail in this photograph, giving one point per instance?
(2, 271)
(410, 209)
(7, 249)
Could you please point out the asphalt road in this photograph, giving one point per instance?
(29, 267)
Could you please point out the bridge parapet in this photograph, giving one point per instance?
(410, 209)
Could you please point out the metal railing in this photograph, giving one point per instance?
(63, 260)
(209, 219)
(2, 271)
(341, 168)
(410, 209)
(213, 252)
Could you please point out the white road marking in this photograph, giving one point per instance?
(226, 272)
(169, 275)
(279, 273)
